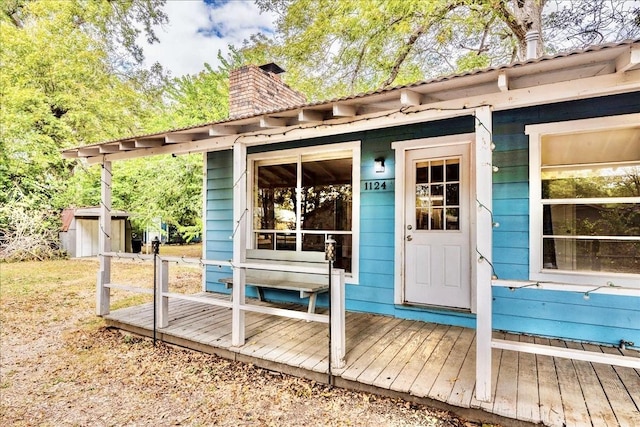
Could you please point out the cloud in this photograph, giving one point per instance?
(197, 30)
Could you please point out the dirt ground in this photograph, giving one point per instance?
(60, 366)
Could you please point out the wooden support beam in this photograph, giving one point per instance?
(410, 98)
(149, 143)
(70, 154)
(483, 254)
(221, 130)
(162, 301)
(109, 148)
(127, 145)
(306, 116)
(338, 325)
(88, 151)
(629, 60)
(344, 110)
(239, 242)
(176, 138)
(272, 122)
(503, 82)
(103, 293)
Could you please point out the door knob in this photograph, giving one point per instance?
(409, 238)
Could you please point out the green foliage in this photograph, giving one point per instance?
(334, 48)
(69, 77)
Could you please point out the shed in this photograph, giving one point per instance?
(80, 232)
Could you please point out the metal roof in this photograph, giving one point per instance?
(563, 66)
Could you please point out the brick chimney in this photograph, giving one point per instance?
(253, 90)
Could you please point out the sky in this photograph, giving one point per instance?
(197, 29)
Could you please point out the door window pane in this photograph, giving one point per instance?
(438, 192)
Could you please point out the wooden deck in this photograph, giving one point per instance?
(422, 362)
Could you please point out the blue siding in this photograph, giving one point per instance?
(219, 216)
(602, 318)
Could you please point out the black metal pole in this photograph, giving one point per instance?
(330, 255)
(330, 279)
(155, 245)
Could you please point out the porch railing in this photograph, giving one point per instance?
(337, 296)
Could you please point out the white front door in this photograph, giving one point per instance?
(436, 228)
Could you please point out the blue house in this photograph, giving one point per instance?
(501, 199)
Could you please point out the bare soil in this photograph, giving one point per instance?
(60, 366)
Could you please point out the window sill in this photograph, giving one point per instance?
(587, 278)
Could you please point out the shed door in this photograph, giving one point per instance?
(86, 237)
(437, 223)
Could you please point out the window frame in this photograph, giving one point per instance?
(315, 152)
(536, 133)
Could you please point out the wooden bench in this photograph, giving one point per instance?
(308, 284)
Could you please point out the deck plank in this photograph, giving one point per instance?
(599, 409)
(573, 401)
(294, 335)
(364, 349)
(382, 359)
(450, 372)
(551, 411)
(309, 345)
(393, 368)
(618, 396)
(630, 377)
(528, 403)
(421, 359)
(505, 400)
(410, 371)
(462, 392)
(318, 359)
(376, 351)
(376, 331)
(433, 364)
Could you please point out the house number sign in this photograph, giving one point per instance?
(377, 185)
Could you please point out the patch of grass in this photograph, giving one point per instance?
(193, 250)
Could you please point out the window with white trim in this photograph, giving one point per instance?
(585, 200)
(302, 196)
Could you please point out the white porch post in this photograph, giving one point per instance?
(162, 302)
(239, 241)
(338, 339)
(104, 239)
(483, 238)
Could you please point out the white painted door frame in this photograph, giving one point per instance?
(401, 148)
(437, 262)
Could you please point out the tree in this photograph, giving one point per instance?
(70, 76)
(333, 48)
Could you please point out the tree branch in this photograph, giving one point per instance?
(435, 17)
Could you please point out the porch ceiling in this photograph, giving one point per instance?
(434, 94)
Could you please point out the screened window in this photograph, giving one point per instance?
(300, 200)
(589, 201)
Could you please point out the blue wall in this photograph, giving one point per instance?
(601, 319)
